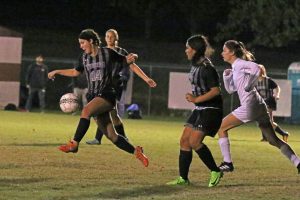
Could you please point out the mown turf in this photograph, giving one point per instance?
(31, 167)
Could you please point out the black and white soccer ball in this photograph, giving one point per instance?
(69, 103)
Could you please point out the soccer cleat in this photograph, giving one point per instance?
(215, 178)
(298, 167)
(93, 142)
(179, 181)
(141, 156)
(285, 137)
(226, 167)
(71, 146)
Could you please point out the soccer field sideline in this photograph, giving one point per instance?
(31, 167)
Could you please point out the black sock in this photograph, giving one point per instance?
(120, 129)
(207, 158)
(82, 128)
(123, 144)
(280, 131)
(185, 160)
(99, 134)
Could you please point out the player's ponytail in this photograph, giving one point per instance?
(239, 50)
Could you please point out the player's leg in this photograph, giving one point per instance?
(277, 128)
(96, 106)
(272, 138)
(185, 158)
(106, 126)
(117, 122)
(229, 122)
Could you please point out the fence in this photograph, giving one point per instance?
(152, 101)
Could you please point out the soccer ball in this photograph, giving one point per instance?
(68, 103)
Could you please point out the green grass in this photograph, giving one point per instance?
(31, 167)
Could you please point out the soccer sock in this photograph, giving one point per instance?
(82, 128)
(280, 131)
(225, 149)
(263, 136)
(290, 154)
(120, 129)
(123, 144)
(207, 158)
(99, 134)
(185, 160)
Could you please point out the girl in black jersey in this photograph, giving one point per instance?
(266, 87)
(206, 118)
(102, 67)
(112, 39)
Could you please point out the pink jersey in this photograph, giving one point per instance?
(242, 79)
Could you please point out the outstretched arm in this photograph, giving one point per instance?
(138, 71)
(63, 72)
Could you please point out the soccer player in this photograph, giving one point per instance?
(102, 67)
(206, 118)
(266, 87)
(112, 39)
(242, 78)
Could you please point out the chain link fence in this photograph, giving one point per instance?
(152, 101)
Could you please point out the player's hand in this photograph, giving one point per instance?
(131, 58)
(190, 97)
(51, 75)
(151, 83)
(227, 72)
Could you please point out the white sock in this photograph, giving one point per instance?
(225, 149)
(290, 154)
(295, 160)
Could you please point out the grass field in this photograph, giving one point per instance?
(31, 167)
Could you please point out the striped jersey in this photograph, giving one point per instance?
(102, 71)
(265, 88)
(203, 77)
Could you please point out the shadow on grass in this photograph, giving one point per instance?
(17, 181)
(140, 192)
(34, 145)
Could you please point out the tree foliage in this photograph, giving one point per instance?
(267, 23)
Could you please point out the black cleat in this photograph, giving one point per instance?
(298, 167)
(226, 167)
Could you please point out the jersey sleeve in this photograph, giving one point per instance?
(80, 67)
(272, 83)
(212, 77)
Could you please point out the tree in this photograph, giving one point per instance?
(267, 23)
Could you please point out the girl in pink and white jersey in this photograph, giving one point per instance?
(242, 78)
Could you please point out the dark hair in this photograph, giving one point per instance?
(201, 45)
(90, 34)
(239, 50)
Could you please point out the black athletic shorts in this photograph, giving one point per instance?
(109, 96)
(207, 120)
(271, 103)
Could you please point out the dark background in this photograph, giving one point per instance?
(157, 31)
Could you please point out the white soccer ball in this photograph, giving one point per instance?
(69, 103)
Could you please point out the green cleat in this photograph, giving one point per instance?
(215, 178)
(179, 181)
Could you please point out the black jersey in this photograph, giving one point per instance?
(203, 77)
(265, 89)
(102, 71)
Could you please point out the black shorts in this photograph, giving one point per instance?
(271, 103)
(108, 96)
(207, 120)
